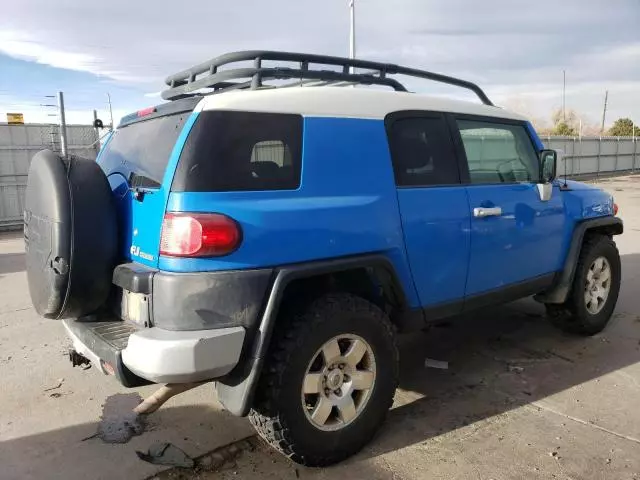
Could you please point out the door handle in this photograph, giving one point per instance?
(481, 212)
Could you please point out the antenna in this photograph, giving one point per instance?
(352, 32)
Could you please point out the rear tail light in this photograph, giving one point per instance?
(615, 209)
(198, 235)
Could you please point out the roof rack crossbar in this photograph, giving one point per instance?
(209, 74)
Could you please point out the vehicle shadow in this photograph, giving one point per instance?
(500, 359)
(74, 453)
(11, 263)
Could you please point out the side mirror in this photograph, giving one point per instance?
(97, 123)
(548, 161)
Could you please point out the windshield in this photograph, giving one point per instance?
(140, 151)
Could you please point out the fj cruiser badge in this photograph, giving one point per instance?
(136, 252)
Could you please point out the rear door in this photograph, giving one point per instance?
(433, 206)
(139, 161)
(515, 236)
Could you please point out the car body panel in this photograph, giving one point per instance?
(140, 219)
(524, 242)
(346, 205)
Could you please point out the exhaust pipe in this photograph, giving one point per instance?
(164, 393)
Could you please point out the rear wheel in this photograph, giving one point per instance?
(329, 381)
(595, 289)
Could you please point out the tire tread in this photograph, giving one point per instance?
(566, 316)
(265, 416)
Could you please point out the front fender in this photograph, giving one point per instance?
(608, 225)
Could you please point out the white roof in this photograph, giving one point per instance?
(342, 102)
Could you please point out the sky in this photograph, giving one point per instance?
(515, 50)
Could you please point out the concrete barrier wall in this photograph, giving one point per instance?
(18, 145)
(584, 157)
(595, 156)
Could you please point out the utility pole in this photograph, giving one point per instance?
(580, 130)
(110, 110)
(63, 125)
(352, 32)
(564, 94)
(604, 111)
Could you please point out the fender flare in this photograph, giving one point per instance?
(236, 391)
(562, 284)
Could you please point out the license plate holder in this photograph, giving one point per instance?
(135, 308)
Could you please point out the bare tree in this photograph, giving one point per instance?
(522, 106)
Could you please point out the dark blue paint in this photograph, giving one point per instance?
(534, 137)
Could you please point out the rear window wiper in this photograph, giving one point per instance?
(137, 180)
(141, 185)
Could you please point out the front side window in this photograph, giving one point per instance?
(498, 153)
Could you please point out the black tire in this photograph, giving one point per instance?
(278, 414)
(70, 235)
(573, 315)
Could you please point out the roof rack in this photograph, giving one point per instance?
(208, 75)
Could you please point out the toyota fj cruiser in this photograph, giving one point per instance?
(272, 232)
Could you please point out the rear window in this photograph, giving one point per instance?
(241, 151)
(140, 151)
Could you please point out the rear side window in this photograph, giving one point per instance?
(141, 151)
(241, 151)
(422, 152)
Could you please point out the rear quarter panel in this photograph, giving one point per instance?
(346, 205)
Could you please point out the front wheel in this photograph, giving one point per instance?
(329, 381)
(595, 289)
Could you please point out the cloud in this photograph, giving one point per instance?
(512, 48)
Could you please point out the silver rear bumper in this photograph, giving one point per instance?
(155, 354)
(165, 356)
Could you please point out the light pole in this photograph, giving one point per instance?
(352, 33)
(63, 125)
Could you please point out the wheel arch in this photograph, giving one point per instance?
(561, 287)
(372, 277)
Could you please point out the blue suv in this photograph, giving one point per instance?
(272, 232)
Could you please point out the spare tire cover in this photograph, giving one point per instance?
(70, 234)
